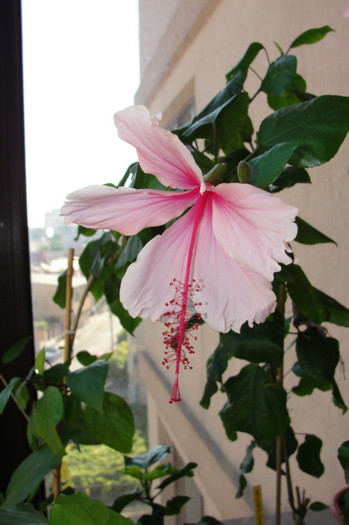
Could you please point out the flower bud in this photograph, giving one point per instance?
(244, 172)
(216, 174)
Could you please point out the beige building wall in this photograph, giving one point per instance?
(187, 47)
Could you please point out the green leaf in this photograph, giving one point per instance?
(53, 375)
(59, 296)
(99, 252)
(93, 261)
(320, 373)
(174, 505)
(79, 509)
(7, 391)
(15, 350)
(228, 124)
(133, 471)
(186, 471)
(317, 355)
(21, 394)
(304, 295)
(85, 358)
(112, 294)
(291, 447)
(87, 232)
(215, 367)
(75, 424)
(29, 474)
(122, 502)
(242, 486)
(131, 171)
(343, 456)
(248, 461)
(22, 514)
(308, 456)
(280, 75)
(306, 385)
(346, 507)
(307, 234)
(311, 36)
(254, 406)
(160, 471)
(205, 163)
(40, 361)
(337, 398)
(266, 168)
(115, 426)
(154, 455)
(246, 60)
(318, 127)
(279, 47)
(318, 506)
(48, 412)
(289, 177)
(294, 94)
(336, 312)
(87, 383)
(145, 180)
(261, 343)
(233, 87)
(130, 252)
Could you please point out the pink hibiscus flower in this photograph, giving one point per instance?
(217, 259)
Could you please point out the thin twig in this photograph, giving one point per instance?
(91, 280)
(288, 476)
(255, 72)
(14, 398)
(266, 54)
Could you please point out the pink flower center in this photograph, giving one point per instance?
(181, 317)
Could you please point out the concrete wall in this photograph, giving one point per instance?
(203, 40)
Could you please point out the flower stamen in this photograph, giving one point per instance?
(180, 321)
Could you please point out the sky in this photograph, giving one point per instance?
(80, 66)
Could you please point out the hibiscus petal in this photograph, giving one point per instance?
(230, 294)
(146, 286)
(160, 152)
(125, 210)
(253, 226)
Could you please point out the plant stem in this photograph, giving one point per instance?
(279, 439)
(14, 398)
(67, 352)
(68, 303)
(56, 481)
(91, 280)
(215, 149)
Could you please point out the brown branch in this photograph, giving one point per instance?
(91, 280)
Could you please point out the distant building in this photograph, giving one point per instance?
(48, 260)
